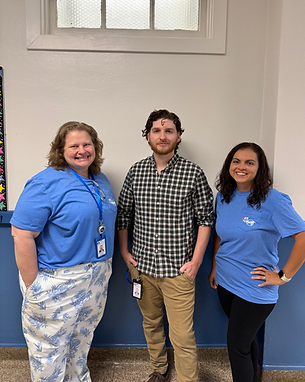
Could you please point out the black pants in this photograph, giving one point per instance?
(245, 319)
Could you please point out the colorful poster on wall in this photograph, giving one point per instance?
(3, 204)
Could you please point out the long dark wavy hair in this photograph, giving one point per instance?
(262, 182)
(56, 155)
(162, 114)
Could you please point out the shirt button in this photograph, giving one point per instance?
(89, 265)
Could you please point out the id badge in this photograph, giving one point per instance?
(100, 244)
(137, 288)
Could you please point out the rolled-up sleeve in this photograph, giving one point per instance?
(203, 202)
(126, 203)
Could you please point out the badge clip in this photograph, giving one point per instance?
(101, 229)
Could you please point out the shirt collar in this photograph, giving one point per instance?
(170, 164)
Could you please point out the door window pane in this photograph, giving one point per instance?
(127, 14)
(79, 14)
(176, 14)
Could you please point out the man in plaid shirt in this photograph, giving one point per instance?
(163, 195)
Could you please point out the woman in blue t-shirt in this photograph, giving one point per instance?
(251, 217)
(63, 229)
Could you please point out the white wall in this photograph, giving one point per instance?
(271, 79)
(221, 100)
(290, 131)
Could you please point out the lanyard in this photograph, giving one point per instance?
(98, 199)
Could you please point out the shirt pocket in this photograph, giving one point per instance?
(178, 205)
(109, 201)
(250, 219)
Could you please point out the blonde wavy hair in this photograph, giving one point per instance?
(56, 155)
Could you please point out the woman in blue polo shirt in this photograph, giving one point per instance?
(63, 229)
(251, 217)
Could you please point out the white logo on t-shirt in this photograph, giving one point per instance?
(248, 221)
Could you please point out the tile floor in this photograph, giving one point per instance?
(118, 365)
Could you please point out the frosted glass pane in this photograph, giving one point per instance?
(79, 14)
(176, 14)
(127, 14)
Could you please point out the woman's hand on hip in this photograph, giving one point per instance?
(267, 277)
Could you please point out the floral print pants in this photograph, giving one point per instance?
(60, 312)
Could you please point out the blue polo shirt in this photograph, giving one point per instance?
(59, 206)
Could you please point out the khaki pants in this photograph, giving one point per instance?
(178, 296)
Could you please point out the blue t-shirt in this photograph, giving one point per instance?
(57, 204)
(249, 239)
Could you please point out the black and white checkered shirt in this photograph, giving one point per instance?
(164, 207)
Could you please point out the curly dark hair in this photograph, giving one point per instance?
(162, 114)
(56, 155)
(262, 183)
